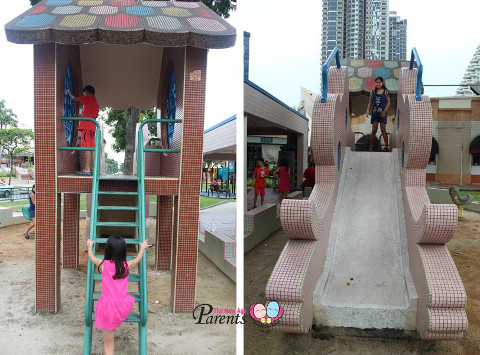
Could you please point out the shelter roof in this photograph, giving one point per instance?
(161, 23)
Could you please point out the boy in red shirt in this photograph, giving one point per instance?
(86, 128)
(259, 175)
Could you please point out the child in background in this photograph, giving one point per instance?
(309, 175)
(31, 209)
(283, 173)
(114, 304)
(86, 128)
(259, 175)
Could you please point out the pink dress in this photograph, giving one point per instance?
(114, 304)
(284, 184)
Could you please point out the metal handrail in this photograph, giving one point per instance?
(364, 141)
(160, 150)
(93, 222)
(335, 53)
(80, 119)
(141, 208)
(415, 57)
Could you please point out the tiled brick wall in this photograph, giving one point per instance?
(441, 295)
(184, 277)
(83, 184)
(47, 241)
(67, 162)
(71, 213)
(307, 222)
(164, 232)
(169, 164)
(456, 122)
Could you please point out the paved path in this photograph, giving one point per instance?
(219, 218)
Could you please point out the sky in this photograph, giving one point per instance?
(16, 76)
(285, 48)
(285, 42)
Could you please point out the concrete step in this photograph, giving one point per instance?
(366, 282)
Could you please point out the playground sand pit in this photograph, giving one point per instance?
(22, 331)
(259, 263)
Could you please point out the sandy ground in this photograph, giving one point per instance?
(22, 331)
(259, 262)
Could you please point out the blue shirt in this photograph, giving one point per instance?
(379, 103)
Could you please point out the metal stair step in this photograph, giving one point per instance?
(129, 257)
(118, 224)
(117, 193)
(132, 317)
(118, 208)
(135, 295)
(127, 241)
(131, 277)
(118, 177)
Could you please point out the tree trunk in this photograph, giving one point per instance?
(132, 116)
(11, 168)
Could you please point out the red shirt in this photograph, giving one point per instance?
(90, 109)
(257, 175)
(309, 175)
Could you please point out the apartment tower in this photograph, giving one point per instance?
(359, 28)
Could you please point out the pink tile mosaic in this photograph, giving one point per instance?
(441, 295)
(307, 222)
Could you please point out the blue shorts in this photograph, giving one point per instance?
(32, 213)
(378, 119)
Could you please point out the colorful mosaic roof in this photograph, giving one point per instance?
(162, 23)
(362, 73)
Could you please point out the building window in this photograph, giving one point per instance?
(475, 150)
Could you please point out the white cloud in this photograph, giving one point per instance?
(286, 38)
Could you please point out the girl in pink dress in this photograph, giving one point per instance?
(114, 304)
(283, 173)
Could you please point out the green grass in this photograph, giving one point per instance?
(475, 194)
(204, 201)
(16, 205)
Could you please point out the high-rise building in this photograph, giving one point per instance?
(471, 76)
(359, 28)
(354, 32)
(397, 45)
(333, 27)
(376, 29)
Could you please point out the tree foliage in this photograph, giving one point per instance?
(117, 122)
(15, 141)
(122, 125)
(7, 117)
(111, 165)
(221, 7)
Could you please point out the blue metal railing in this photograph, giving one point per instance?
(335, 53)
(415, 57)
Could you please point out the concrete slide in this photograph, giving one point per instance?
(367, 249)
(366, 281)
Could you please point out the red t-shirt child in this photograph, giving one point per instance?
(87, 128)
(260, 180)
(309, 176)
